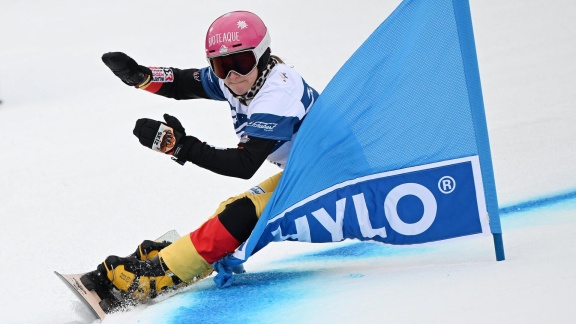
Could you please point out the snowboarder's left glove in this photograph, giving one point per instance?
(125, 68)
(169, 137)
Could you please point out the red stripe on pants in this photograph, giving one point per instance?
(213, 241)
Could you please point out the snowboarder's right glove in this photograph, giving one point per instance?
(169, 137)
(127, 69)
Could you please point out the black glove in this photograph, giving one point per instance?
(126, 68)
(169, 137)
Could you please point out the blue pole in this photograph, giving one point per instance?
(470, 60)
(499, 246)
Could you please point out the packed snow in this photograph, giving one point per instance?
(76, 186)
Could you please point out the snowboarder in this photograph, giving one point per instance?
(268, 100)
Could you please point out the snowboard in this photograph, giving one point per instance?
(98, 306)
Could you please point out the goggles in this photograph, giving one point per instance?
(242, 63)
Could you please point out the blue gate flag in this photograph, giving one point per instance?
(396, 148)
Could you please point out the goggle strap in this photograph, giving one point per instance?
(261, 48)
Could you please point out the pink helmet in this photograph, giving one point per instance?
(237, 31)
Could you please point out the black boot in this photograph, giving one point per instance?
(97, 282)
(149, 249)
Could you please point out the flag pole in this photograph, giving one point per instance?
(470, 60)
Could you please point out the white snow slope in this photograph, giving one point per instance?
(76, 186)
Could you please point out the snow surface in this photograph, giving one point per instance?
(75, 185)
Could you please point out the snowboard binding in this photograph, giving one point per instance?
(113, 299)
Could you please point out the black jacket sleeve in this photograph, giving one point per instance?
(176, 83)
(240, 162)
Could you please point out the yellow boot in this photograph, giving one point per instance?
(139, 280)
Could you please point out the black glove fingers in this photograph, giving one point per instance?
(125, 68)
(118, 61)
(174, 123)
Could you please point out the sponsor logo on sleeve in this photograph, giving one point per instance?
(162, 75)
(262, 125)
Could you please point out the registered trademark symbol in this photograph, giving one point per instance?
(446, 184)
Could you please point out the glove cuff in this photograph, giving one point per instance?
(145, 84)
(182, 149)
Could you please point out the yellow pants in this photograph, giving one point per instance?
(181, 256)
(259, 195)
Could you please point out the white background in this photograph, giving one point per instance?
(76, 186)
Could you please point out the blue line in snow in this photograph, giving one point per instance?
(537, 203)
